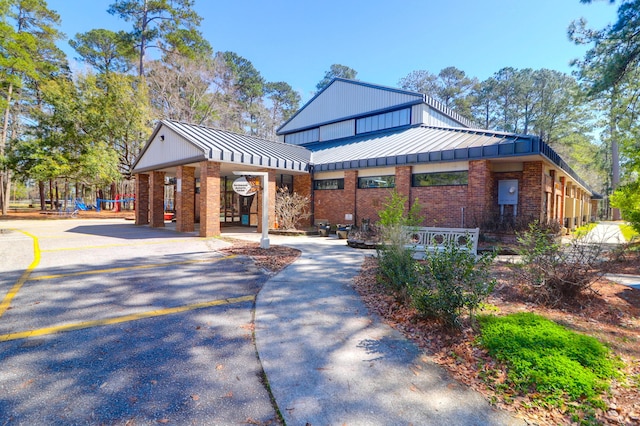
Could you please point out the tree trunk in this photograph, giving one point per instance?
(143, 39)
(57, 196)
(5, 176)
(615, 151)
(43, 196)
(51, 193)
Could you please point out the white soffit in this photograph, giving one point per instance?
(168, 147)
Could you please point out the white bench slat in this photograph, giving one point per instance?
(429, 239)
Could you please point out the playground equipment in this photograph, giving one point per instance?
(119, 199)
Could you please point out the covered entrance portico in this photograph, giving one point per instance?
(199, 163)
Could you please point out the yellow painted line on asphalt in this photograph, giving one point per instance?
(146, 243)
(122, 319)
(129, 268)
(6, 301)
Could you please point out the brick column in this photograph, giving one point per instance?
(403, 184)
(302, 186)
(551, 208)
(349, 194)
(561, 200)
(185, 199)
(209, 199)
(480, 193)
(142, 199)
(271, 187)
(532, 190)
(157, 199)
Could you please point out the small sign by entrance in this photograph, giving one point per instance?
(246, 187)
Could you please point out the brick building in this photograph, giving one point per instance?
(347, 147)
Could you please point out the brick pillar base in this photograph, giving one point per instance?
(209, 199)
(142, 199)
(185, 199)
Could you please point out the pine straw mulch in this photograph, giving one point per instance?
(273, 260)
(612, 315)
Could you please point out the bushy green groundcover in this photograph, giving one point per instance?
(546, 360)
(628, 232)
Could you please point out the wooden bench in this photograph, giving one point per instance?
(430, 239)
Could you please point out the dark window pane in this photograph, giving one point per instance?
(328, 184)
(377, 182)
(440, 179)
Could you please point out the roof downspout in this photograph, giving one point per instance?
(312, 192)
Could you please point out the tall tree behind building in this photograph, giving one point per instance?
(28, 56)
(173, 24)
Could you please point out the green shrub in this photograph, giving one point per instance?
(628, 232)
(627, 199)
(454, 280)
(546, 359)
(397, 269)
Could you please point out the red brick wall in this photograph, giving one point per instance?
(451, 206)
(330, 204)
(302, 186)
(369, 202)
(442, 205)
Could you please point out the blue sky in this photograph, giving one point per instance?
(296, 41)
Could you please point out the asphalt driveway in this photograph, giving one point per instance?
(103, 322)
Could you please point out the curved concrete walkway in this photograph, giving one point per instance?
(330, 362)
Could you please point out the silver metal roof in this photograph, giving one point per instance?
(228, 147)
(424, 144)
(407, 145)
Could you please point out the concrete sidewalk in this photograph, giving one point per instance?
(329, 362)
(610, 233)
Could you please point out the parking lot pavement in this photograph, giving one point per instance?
(104, 322)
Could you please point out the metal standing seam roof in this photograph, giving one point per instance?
(424, 144)
(229, 147)
(403, 145)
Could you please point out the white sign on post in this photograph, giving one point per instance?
(244, 187)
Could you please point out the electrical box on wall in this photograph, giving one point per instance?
(508, 192)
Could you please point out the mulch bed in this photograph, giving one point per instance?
(612, 315)
(273, 260)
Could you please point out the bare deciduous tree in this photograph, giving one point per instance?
(291, 208)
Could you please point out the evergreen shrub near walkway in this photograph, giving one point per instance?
(528, 356)
(446, 283)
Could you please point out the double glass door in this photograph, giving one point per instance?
(234, 208)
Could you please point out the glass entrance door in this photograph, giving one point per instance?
(234, 208)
